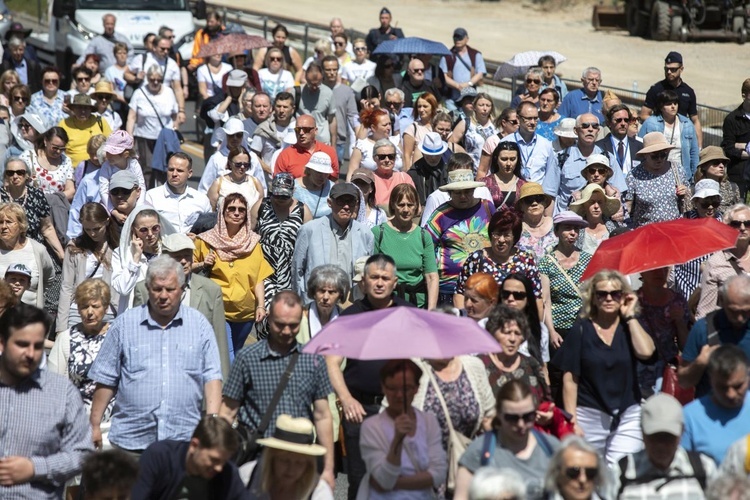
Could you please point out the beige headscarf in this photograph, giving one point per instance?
(229, 249)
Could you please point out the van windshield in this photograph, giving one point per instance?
(132, 4)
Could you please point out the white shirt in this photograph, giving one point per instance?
(181, 210)
(147, 124)
(204, 74)
(265, 148)
(354, 70)
(168, 69)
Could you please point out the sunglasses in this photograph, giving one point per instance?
(529, 118)
(536, 198)
(339, 44)
(513, 122)
(277, 59)
(672, 70)
(621, 120)
(162, 49)
(50, 80)
(360, 49)
(513, 418)
(418, 70)
(506, 294)
(532, 80)
(739, 223)
(616, 295)
(660, 155)
(58, 149)
(594, 170)
(20, 98)
(83, 79)
(11, 173)
(146, 230)
(239, 135)
(155, 80)
(388, 156)
(239, 210)
(241, 164)
(710, 203)
(586, 125)
(392, 104)
(575, 472)
(25, 125)
(121, 192)
(304, 130)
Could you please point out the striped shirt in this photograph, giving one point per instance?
(159, 374)
(43, 418)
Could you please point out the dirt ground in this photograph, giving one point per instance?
(500, 29)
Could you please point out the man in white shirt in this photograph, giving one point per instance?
(176, 201)
(269, 135)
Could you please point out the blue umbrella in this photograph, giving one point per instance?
(412, 45)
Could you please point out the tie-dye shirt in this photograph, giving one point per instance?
(457, 233)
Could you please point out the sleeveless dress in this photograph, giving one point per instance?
(246, 189)
(277, 241)
(83, 352)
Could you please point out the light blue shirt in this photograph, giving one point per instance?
(558, 85)
(537, 156)
(23, 71)
(159, 374)
(87, 192)
(577, 103)
(51, 114)
(711, 429)
(461, 73)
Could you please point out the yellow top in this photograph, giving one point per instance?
(237, 280)
(79, 135)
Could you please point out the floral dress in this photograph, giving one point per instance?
(83, 352)
(49, 181)
(521, 261)
(462, 404)
(529, 370)
(537, 246)
(653, 195)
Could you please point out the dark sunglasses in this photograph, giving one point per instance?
(517, 295)
(418, 70)
(594, 170)
(155, 80)
(739, 223)
(513, 122)
(121, 192)
(304, 130)
(83, 79)
(51, 80)
(593, 125)
(20, 98)
(241, 164)
(536, 198)
(621, 120)
(339, 44)
(24, 125)
(239, 210)
(659, 155)
(532, 80)
(575, 472)
(11, 173)
(389, 156)
(278, 59)
(615, 294)
(513, 418)
(710, 203)
(672, 70)
(392, 104)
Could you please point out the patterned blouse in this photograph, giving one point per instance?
(463, 406)
(566, 301)
(83, 352)
(36, 207)
(657, 322)
(653, 196)
(529, 370)
(49, 181)
(538, 246)
(521, 262)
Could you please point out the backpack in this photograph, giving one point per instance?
(699, 473)
(450, 61)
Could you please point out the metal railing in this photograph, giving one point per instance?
(303, 35)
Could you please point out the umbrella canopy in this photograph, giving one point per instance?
(399, 333)
(520, 63)
(661, 244)
(232, 44)
(412, 45)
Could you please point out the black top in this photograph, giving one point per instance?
(736, 129)
(685, 94)
(363, 377)
(376, 36)
(411, 93)
(427, 178)
(604, 372)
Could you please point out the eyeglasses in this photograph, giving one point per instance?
(586, 125)
(513, 122)
(594, 170)
(575, 472)
(621, 120)
(155, 80)
(277, 59)
(149, 230)
(304, 130)
(11, 173)
(57, 149)
(536, 198)
(667, 69)
(340, 44)
(529, 118)
(239, 210)
(659, 155)
(534, 81)
(118, 192)
(83, 79)
(417, 70)
(710, 203)
(388, 156)
(241, 164)
(20, 98)
(513, 418)
(51, 80)
(739, 223)
(360, 49)
(517, 295)
(616, 295)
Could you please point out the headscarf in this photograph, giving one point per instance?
(230, 248)
(127, 232)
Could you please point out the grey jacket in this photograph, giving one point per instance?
(46, 271)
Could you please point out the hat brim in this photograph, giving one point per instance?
(574, 223)
(710, 159)
(105, 92)
(25, 33)
(82, 105)
(313, 450)
(443, 149)
(547, 199)
(610, 172)
(610, 206)
(655, 148)
(116, 150)
(458, 186)
(705, 193)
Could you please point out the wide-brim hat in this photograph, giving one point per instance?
(654, 142)
(532, 189)
(711, 153)
(103, 87)
(461, 179)
(610, 205)
(33, 119)
(566, 128)
(17, 29)
(82, 100)
(295, 435)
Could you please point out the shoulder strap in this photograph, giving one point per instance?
(698, 471)
(380, 237)
(562, 157)
(277, 395)
(564, 272)
(488, 448)
(440, 397)
(152, 105)
(747, 454)
(543, 443)
(712, 331)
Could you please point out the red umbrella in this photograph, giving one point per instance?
(661, 244)
(232, 44)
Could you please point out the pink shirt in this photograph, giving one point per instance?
(384, 186)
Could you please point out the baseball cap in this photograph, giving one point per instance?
(282, 185)
(460, 34)
(118, 142)
(662, 413)
(344, 189)
(237, 78)
(18, 269)
(673, 57)
(124, 179)
(362, 174)
(176, 242)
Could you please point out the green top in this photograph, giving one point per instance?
(566, 300)
(413, 252)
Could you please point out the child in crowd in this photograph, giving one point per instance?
(120, 156)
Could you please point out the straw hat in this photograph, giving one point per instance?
(610, 205)
(461, 179)
(295, 435)
(654, 142)
(533, 189)
(103, 87)
(711, 153)
(566, 128)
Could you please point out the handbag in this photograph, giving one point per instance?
(457, 442)
(671, 386)
(249, 448)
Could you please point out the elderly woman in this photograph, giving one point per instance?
(274, 78)
(17, 247)
(80, 126)
(48, 102)
(490, 483)
(425, 108)
(153, 107)
(480, 297)
(279, 218)
(678, 131)
(712, 164)
(411, 247)
(530, 91)
(237, 180)
(230, 255)
(599, 361)
(576, 472)
(313, 187)
(287, 468)
(597, 171)
(504, 179)
(597, 210)
(477, 127)
(561, 271)
(657, 190)
(25, 131)
(378, 122)
(76, 348)
(502, 257)
(365, 180)
(52, 170)
(401, 446)
(513, 442)
(140, 242)
(549, 118)
(386, 179)
(724, 264)
(328, 287)
(538, 235)
(87, 256)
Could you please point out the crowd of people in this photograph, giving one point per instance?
(152, 333)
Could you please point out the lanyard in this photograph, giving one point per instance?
(524, 158)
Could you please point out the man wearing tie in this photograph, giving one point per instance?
(620, 148)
